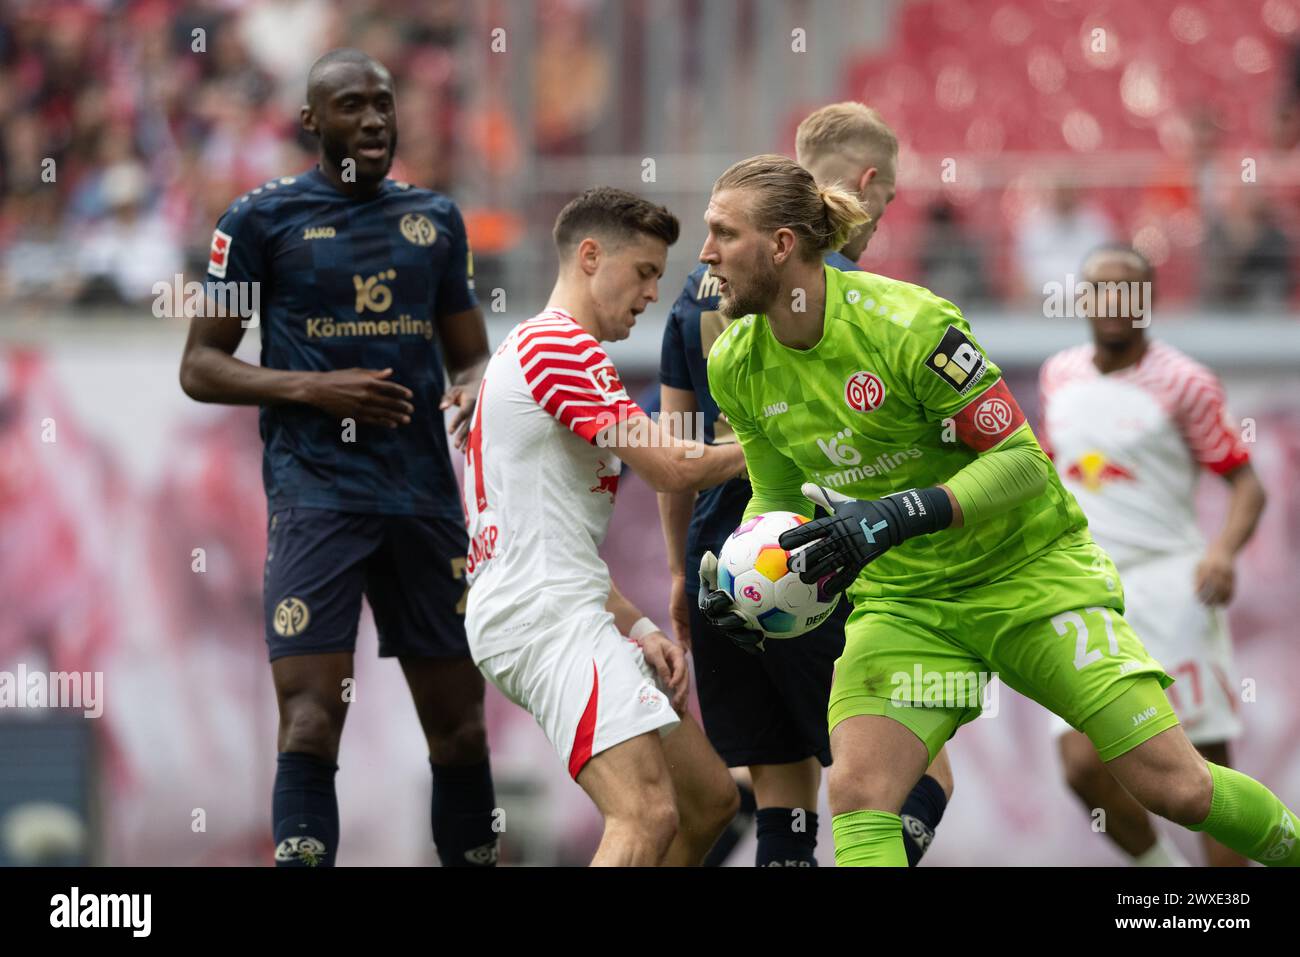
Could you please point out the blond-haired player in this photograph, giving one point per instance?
(767, 712)
(961, 558)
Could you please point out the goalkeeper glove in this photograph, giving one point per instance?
(857, 532)
(720, 611)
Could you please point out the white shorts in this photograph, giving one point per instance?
(1190, 641)
(588, 686)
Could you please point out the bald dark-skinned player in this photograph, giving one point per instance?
(366, 297)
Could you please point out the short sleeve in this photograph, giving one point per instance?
(954, 379)
(572, 378)
(238, 250)
(456, 285)
(673, 371)
(1203, 420)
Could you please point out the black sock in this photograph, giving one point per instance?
(921, 814)
(787, 837)
(304, 811)
(463, 815)
(729, 838)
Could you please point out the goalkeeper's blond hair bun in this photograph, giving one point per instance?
(823, 217)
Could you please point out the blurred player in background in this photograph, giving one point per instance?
(546, 625)
(981, 561)
(767, 711)
(366, 290)
(1130, 422)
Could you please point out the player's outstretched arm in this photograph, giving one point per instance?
(677, 408)
(670, 464)
(211, 373)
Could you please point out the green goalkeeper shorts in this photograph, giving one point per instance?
(1052, 629)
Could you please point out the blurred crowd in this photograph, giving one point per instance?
(127, 127)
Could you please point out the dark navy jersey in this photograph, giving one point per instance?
(693, 325)
(351, 283)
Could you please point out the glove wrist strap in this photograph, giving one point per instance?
(920, 511)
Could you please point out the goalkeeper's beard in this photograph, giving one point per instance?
(755, 298)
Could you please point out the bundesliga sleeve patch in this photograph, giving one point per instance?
(606, 380)
(987, 420)
(220, 254)
(957, 362)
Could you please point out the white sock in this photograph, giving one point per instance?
(1163, 853)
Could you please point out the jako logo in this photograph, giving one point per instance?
(1143, 715)
(752, 593)
(840, 455)
(776, 408)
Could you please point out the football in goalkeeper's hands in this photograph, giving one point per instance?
(754, 570)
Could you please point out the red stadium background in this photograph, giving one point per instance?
(1028, 128)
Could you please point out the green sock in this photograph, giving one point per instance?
(868, 839)
(1248, 817)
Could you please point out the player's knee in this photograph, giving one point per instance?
(855, 788)
(464, 742)
(661, 823)
(941, 772)
(729, 802)
(310, 726)
(651, 821)
(717, 807)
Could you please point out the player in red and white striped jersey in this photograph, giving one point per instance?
(1131, 423)
(546, 625)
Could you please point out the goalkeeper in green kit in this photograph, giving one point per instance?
(956, 543)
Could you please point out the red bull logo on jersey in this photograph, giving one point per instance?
(606, 482)
(1093, 470)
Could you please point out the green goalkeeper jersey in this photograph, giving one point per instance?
(897, 394)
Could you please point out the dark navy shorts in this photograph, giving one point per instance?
(768, 708)
(410, 568)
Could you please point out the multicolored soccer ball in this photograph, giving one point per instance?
(753, 569)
